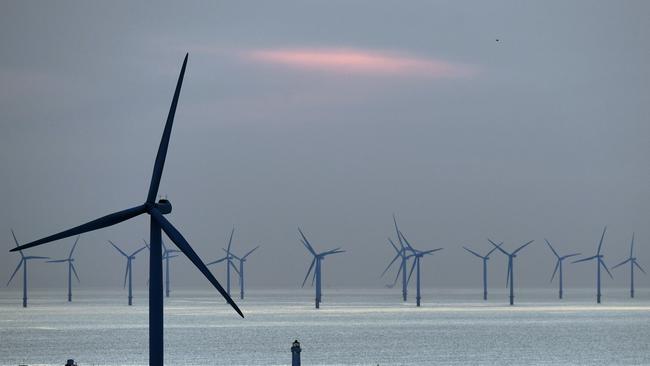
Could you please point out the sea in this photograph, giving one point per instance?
(352, 327)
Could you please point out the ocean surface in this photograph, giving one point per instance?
(353, 327)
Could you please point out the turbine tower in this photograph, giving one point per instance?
(558, 266)
(158, 222)
(71, 268)
(129, 269)
(167, 254)
(633, 262)
(599, 262)
(23, 262)
(318, 259)
(417, 254)
(242, 260)
(510, 277)
(485, 258)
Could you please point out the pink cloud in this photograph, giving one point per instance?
(362, 62)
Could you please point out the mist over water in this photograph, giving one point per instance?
(354, 326)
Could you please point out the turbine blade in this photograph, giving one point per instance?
(164, 142)
(632, 246)
(234, 267)
(550, 246)
(493, 249)
(217, 261)
(17, 245)
(16, 270)
(57, 261)
(606, 269)
(473, 252)
(397, 277)
(498, 247)
(308, 271)
(389, 264)
(102, 222)
(118, 249)
(639, 267)
(185, 247)
(431, 251)
(230, 254)
(35, 257)
(138, 251)
(508, 274)
(585, 259)
(126, 272)
(411, 273)
(407, 242)
(249, 253)
(75, 272)
(306, 243)
(232, 232)
(522, 247)
(394, 246)
(337, 250)
(557, 265)
(601, 240)
(74, 246)
(569, 256)
(622, 263)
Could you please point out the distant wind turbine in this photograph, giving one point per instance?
(318, 258)
(485, 258)
(129, 268)
(229, 264)
(71, 268)
(23, 262)
(158, 222)
(167, 254)
(401, 254)
(417, 255)
(242, 260)
(511, 270)
(633, 262)
(599, 263)
(558, 266)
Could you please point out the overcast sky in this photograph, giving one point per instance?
(330, 116)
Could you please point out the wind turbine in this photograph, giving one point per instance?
(318, 259)
(417, 254)
(401, 253)
(558, 265)
(485, 258)
(510, 276)
(71, 268)
(633, 262)
(167, 254)
(242, 260)
(129, 269)
(23, 263)
(158, 222)
(599, 262)
(229, 264)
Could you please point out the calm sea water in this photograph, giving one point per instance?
(353, 327)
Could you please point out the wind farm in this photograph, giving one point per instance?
(400, 158)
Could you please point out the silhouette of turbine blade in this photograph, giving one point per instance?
(234, 267)
(473, 252)
(601, 240)
(232, 232)
(639, 267)
(557, 265)
(508, 274)
(75, 272)
(550, 246)
(498, 247)
(622, 263)
(215, 262)
(74, 246)
(57, 261)
(606, 269)
(311, 266)
(389, 264)
(397, 276)
(412, 268)
(118, 249)
(126, 272)
(102, 222)
(427, 252)
(585, 259)
(306, 243)
(138, 251)
(250, 252)
(164, 142)
(230, 254)
(493, 249)
(16, 241)
(632, 246)
(522, 247)
(16, 270)
(185, 247)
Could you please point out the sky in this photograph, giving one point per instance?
(468, 120)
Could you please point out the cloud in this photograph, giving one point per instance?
(355, 61)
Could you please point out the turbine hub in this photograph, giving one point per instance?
(164, 206)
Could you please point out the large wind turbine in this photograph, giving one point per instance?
(71, 268)
(401, 253)
(558, 266)
(599, 262)
(417, 255)
(318, 259)
(242, 260)
(129, 269)
(633, 262)
(485, 258)
(511, 270)
(158, 222)
(23, 262)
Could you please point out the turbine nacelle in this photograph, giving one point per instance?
(163, 206)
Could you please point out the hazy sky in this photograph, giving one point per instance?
(330, 116)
